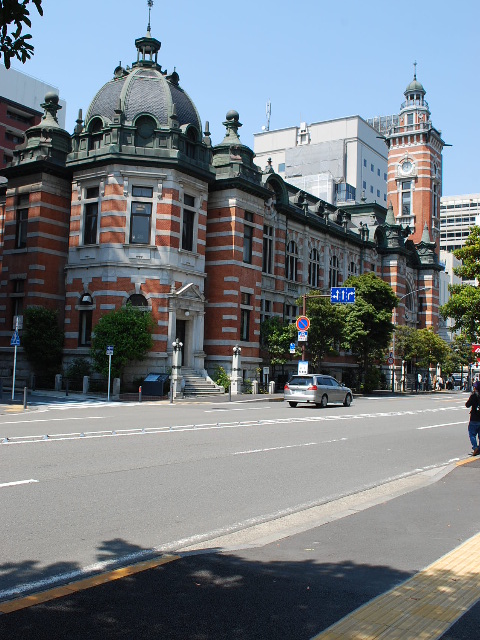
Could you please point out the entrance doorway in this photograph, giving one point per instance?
(181, 334)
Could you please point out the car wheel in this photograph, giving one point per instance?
(348, 400)
(324, 401)
(293, 404)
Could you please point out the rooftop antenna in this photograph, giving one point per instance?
(415, 70)
(150, 5)
(268, 114)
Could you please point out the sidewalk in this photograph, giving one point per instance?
(295, 582)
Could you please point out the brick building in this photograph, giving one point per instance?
(139, 206)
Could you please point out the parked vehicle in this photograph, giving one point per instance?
(318, 389)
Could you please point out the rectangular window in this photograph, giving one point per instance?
(406, 198)
(247, 238)
(244, 324)
(17, 296)
(267, 266)
(189, 200)
(90, 223)
(435, 202)
(245, 316)
(371, 189)
(364, 162)
(281, 167)
(372, 168)
(384, 176)
(409, 118)
(378, 172)
(188, 229)
(378, 193)
(85, 328)
(21, 222)
(140, 220)
(364, 184)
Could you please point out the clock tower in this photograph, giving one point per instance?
(415, 166)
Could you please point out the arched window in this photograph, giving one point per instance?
(96, 135)
(291, 265)
(352, 269)
(85, 305)
(138, 300)
(145, 132)
(190, 142)
(314, 268)
(334, 272)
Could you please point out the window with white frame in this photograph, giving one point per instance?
(188, 223)
(352, 269)
(406, 195)
(314, 268)
(334, 271)
(267, 260)
(141, 215)
(90, 215)
(291, 263)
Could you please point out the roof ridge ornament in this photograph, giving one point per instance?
(150, 5)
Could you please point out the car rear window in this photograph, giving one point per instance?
(301, 381)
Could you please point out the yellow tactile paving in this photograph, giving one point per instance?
(423, 607)
(81, 585)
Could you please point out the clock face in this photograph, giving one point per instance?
(407, 166)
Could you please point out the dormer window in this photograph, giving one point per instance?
(96, 135)
(145, 132)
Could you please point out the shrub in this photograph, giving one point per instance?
(221, 378)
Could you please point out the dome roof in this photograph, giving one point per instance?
(415, 85)
(144, 89)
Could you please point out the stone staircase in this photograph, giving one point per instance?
(197, 385)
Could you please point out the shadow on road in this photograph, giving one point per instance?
(200, 597)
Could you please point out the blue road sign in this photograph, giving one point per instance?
(342, 295)
(110, 350)
(15, 341)
(292, 347)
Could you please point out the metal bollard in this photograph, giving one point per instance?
(25, 397)
(230, 393)
(140, 394)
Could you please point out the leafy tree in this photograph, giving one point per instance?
(221, 377)
(464, 304)
(275, 338)
(42, 340)
(14, 14)
(326, 328)
(469, 254)
(464, 309)
(368, 323)
(429, 348)
(404, 342)
(128, 330)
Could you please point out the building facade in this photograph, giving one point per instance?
(138, 206)
(340, 161)
(457, 215)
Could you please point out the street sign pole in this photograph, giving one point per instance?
(109, 372)
(14, 371)
(109, 354)
(15, 342)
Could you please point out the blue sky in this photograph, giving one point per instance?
(313, 61)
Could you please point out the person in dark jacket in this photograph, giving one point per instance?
(474, 425)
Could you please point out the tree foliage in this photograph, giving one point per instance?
(275, 337)
(429, 348)
(14, 15)
(368, 323)
(42, 340)
(129, 331)
(469, 254)
(464, 309)
(326, 328)
(464, 304)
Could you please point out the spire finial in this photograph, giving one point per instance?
(150, 5)
(415, 70)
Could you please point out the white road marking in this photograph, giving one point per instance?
(239, 409)
(296, 418)
(289, 446)
(12, 484)
(36, 420)
(446, 424)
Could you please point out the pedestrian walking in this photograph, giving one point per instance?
(474, 424)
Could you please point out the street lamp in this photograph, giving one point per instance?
(394, 326)
(237, 350)
(177, 348)
(236, 378)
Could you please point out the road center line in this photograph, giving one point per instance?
(53, 420)
(12, 484)
(446, 424)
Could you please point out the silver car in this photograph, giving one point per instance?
(319, 389)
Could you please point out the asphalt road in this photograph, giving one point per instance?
(115, 483)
